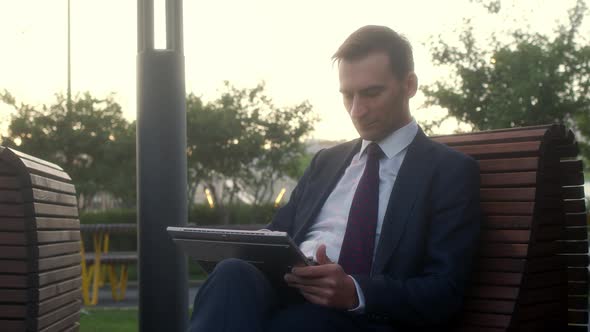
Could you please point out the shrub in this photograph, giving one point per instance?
(201, 215)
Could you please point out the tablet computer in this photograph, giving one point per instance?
(274, 253)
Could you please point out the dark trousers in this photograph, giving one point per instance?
(238, 297)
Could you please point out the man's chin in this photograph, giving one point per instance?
(369, 135)
(370, 132)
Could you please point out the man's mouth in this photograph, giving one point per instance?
(368, 124)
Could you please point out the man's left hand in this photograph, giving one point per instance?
(325, 284)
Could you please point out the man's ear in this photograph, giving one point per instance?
(411, 84)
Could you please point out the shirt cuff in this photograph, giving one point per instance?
(359, 292)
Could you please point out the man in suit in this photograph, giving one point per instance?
(392, 218)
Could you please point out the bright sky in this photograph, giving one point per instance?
(288, 44)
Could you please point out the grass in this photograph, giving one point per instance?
(123, 319)
(112, 320)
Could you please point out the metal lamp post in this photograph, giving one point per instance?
(161, 171)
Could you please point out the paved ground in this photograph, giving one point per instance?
(105, 298)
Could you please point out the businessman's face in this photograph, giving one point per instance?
(375, 99)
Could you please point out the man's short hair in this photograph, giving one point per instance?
(376, 38)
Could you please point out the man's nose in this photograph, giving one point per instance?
(358, 109)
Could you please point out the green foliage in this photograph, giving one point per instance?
(298, 167)
(532, 79)
(492, 6)
(243, 137)
(233, 214)
(200, 214)
(247, 214)
(92, 142)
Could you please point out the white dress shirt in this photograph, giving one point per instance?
(330, 225)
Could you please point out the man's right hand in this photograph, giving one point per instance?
(325, 284)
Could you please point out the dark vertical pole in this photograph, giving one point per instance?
(161, 171)
(69, 101)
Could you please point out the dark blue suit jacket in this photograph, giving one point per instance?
(430, 230)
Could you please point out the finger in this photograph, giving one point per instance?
(291, 279)
(314, 298)
(321, 256)
(318, 271)
(318, 282)
(314, 290)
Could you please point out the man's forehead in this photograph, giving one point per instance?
(372, 69)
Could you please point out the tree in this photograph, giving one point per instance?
(283, 149)
(531, 79)
(218, 143)
(92, 142)
(240, 139)
(243, 138)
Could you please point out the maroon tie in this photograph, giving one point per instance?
(356, 255)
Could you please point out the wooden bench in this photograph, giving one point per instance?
(39, 246)
(532, 264)
(96, 265)
(531, 272)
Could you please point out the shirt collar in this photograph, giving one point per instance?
(395, 142)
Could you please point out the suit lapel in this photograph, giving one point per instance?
(409, 181)
(328, 180)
